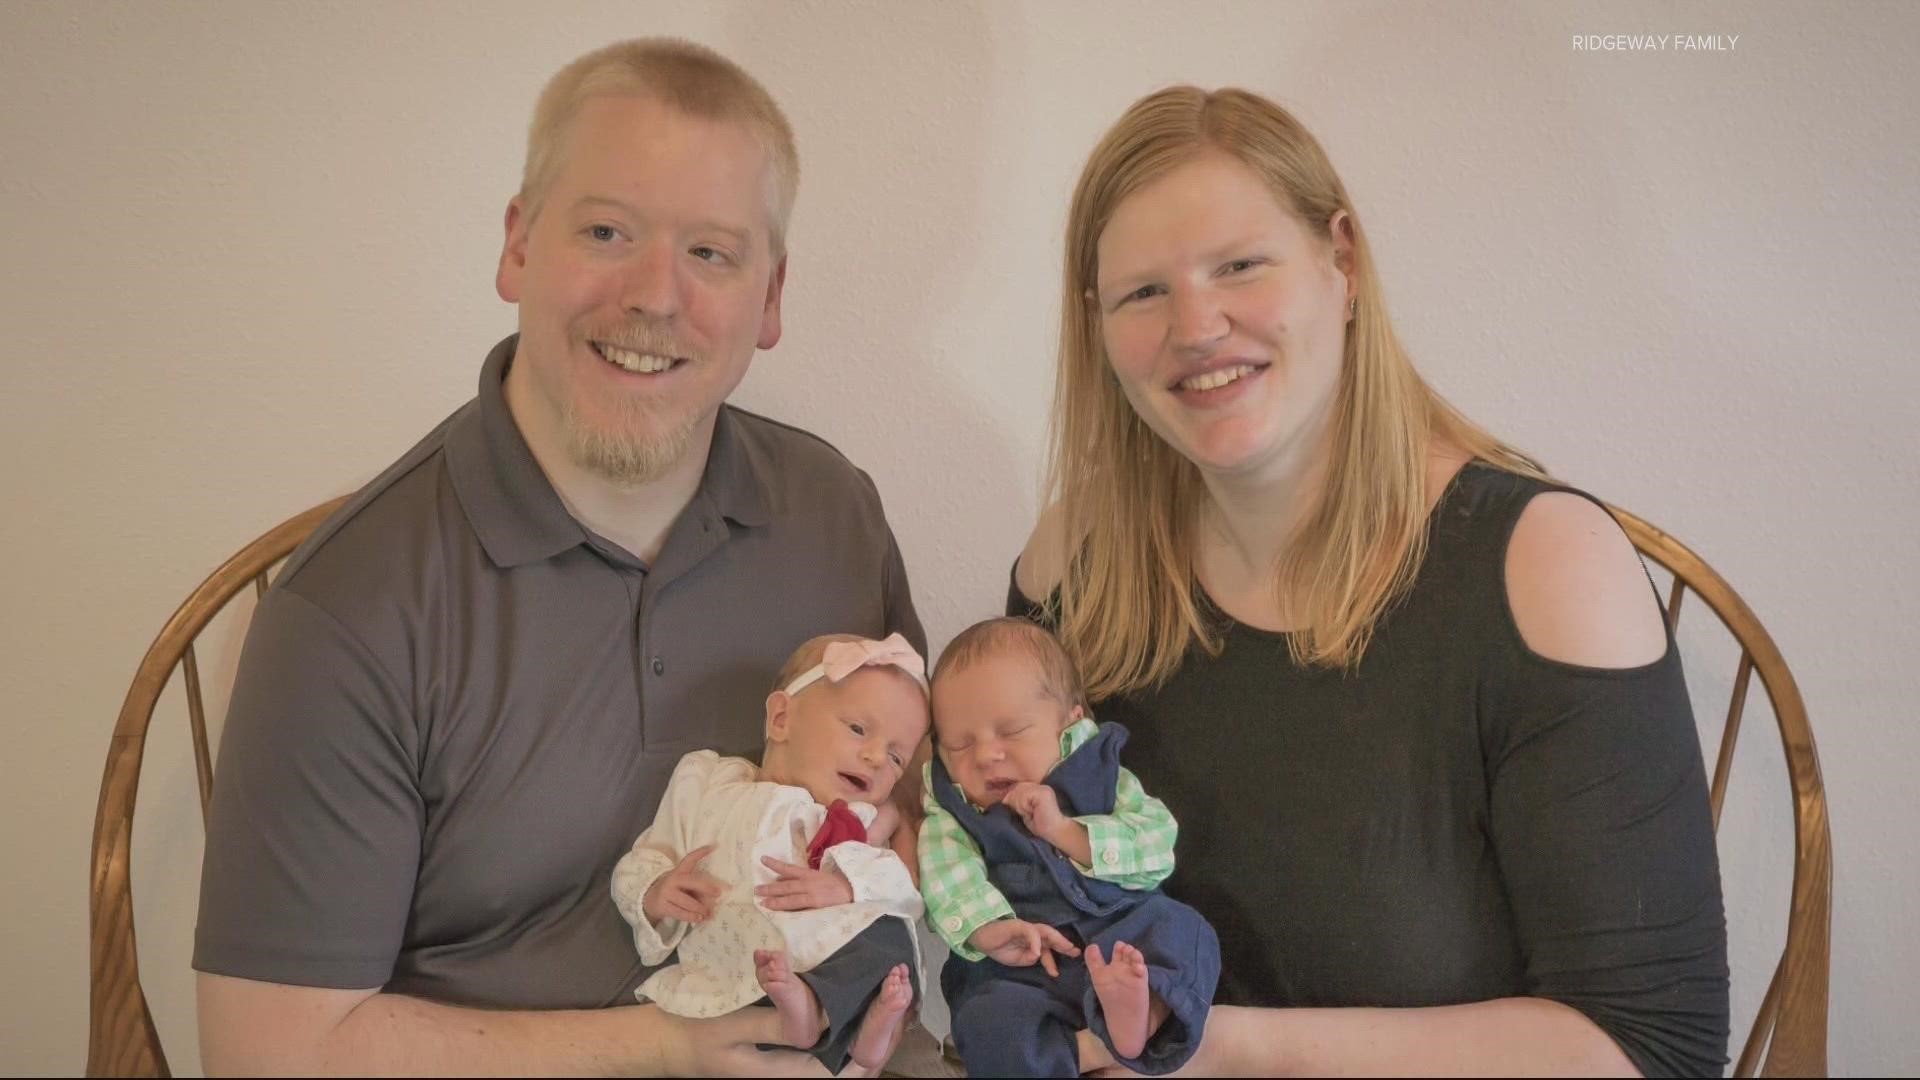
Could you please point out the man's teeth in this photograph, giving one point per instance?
(646, 363)
(1212, 380)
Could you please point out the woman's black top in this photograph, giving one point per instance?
(1456, 820)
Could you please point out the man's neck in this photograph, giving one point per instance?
(635, 516)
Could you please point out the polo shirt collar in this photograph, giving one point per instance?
(512, 506)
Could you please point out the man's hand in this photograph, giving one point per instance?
(686, 892)
(1017, 943)
(802, 888)
(726, 1046)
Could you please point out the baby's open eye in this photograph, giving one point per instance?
(857, 728)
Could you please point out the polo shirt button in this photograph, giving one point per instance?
(659, 666)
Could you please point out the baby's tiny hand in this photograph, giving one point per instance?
(1018, 943)
(802, 888)
(1038, 806)
(686, 892)
(885, 820)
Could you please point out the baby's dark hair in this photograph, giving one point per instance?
(1058, 676)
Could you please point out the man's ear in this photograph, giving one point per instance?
(770, 311)
(779, 715)
(513, 252)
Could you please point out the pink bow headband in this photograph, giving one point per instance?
(843, 658)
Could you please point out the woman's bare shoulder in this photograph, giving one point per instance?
(1578, 591)
(1043, 562)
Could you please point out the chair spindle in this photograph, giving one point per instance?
(1730, 734)
(197, 715)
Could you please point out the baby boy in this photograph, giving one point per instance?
(1038, 843)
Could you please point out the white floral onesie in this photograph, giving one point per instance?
(722, 801)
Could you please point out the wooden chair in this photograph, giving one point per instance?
(1791, 1027)
(121, 1037)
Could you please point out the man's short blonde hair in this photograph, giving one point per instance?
(690, 78)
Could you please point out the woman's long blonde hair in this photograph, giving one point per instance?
(1128, 607)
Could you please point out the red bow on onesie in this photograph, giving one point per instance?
(841, 825)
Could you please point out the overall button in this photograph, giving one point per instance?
(659, 666)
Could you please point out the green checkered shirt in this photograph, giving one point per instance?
(1133, 847)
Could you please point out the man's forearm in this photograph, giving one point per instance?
(392, 1034)
(259, 1028)
(1508, 1036)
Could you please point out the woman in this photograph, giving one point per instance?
(1413, 704)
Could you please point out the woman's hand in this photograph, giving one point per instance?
(802, 888)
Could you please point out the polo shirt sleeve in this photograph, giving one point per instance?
(313, 834)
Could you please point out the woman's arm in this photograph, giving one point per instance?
(1507, 1037)
(1043, 562)
(1600, 825)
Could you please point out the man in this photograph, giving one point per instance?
(463, 697)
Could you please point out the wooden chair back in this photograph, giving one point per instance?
(1791, 1026)
(1790, 1029)
(121, 1037)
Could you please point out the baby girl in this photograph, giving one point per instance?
(827, 931)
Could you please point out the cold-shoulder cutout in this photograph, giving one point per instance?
(1576, 588)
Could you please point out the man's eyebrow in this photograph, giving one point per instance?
(739, 234)
(591, 201)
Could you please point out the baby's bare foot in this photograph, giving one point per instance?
(1121, 986)
(801, 1020)
(880, 1030)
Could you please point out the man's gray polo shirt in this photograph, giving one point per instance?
(457, 708)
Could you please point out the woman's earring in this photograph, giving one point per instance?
(1353, 307)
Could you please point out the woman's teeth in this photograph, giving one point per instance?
(1213, 380)
(645, 363)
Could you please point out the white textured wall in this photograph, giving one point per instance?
(248, 253)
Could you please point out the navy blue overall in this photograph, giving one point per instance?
(1018, 1021)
